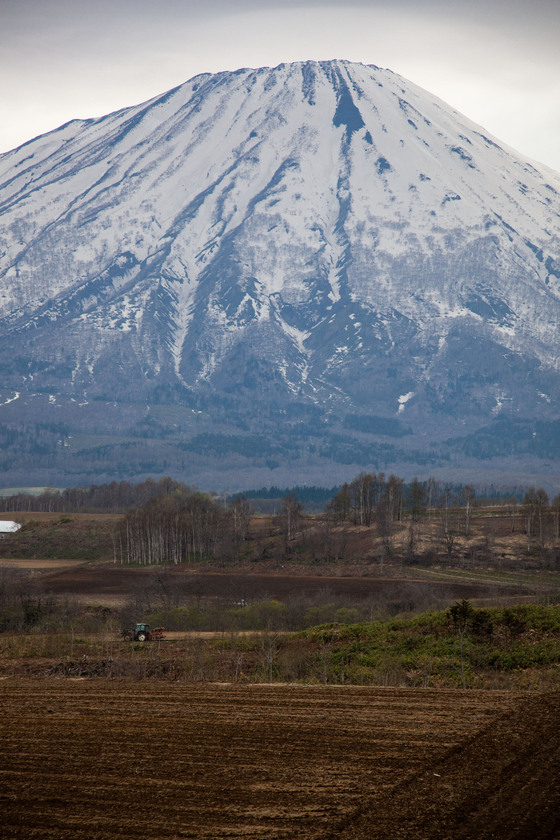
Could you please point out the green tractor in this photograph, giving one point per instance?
(143, 633)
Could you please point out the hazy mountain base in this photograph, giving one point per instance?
(47, 441)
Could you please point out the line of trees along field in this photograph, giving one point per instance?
(168, 522)
(117, 496)
(185, 525)
(120, 496)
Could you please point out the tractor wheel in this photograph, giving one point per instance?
(128, 637)
(142, 637)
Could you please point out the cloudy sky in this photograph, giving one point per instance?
(497, 61)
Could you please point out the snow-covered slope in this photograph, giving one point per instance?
(322, 233)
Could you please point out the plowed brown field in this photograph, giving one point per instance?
(146, 761)
(109, 582)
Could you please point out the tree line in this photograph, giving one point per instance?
(374, 499)
(117, 496)
(183, 525)
(120, 496)
(168, 521)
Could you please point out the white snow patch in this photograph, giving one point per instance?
(182, 319)
(297, 336)
(505, 330)
(404, 399)
(500, 397)
(11, 399)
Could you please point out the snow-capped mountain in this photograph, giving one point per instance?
(321, 250)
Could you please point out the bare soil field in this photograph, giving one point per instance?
(115, 581)
(116, 759)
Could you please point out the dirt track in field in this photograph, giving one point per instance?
(38, 565)
(148, 761)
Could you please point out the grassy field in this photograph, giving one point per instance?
(516, 648)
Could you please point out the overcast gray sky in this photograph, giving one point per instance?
(497, 61)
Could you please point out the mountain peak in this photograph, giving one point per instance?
(318, 240)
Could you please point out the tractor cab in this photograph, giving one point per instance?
(141, 632)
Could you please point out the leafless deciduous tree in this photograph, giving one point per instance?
(174, 528)
(416, 499)
(291, 512)
(240, 512)
(534, 505)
